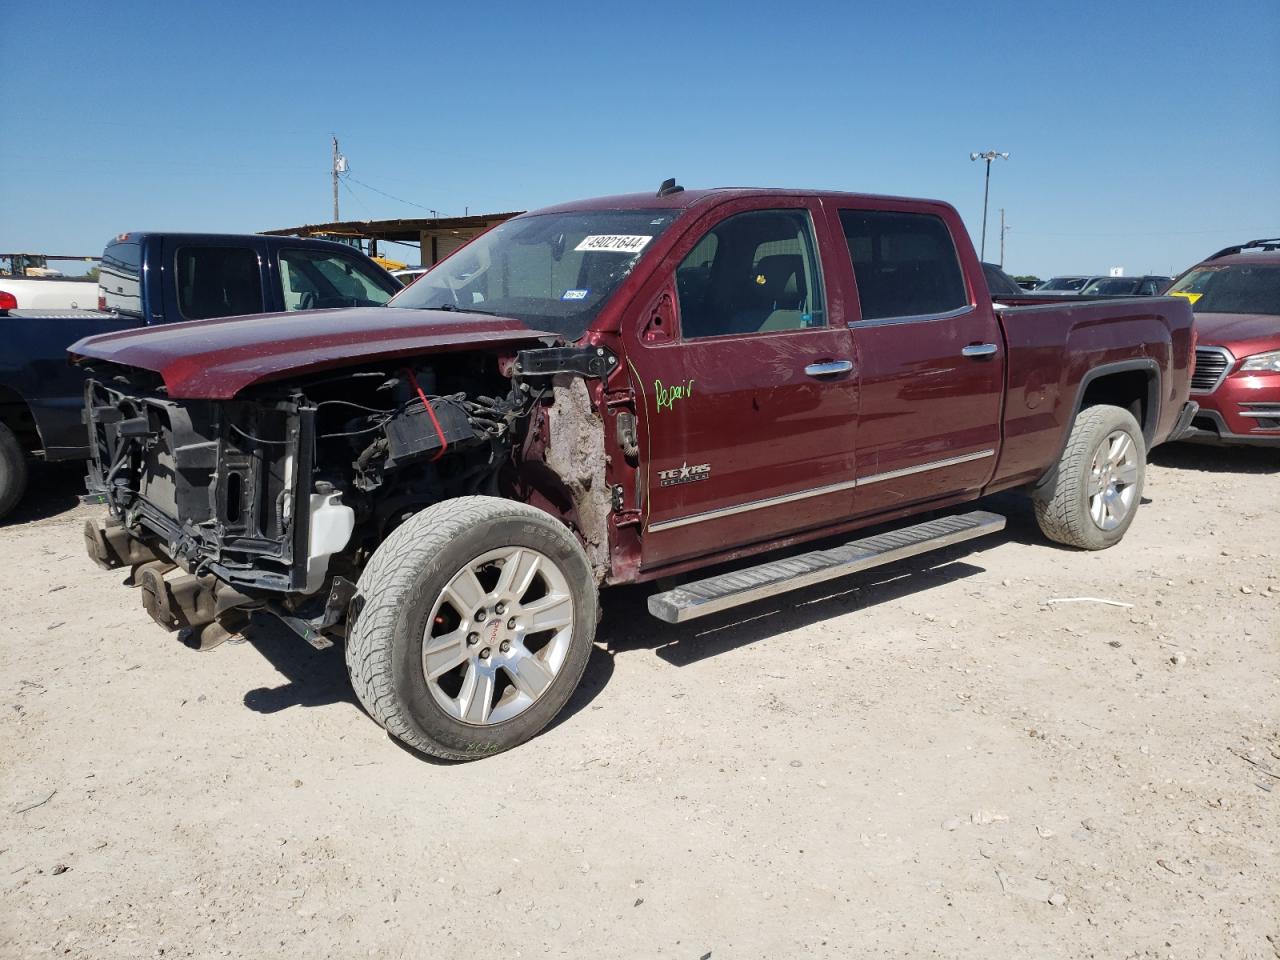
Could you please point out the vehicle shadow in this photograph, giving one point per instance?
(319, 677)
(52, 488)
(313, 678)
(628, 625)
(1211, 459)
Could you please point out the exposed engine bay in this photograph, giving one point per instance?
(285, 487)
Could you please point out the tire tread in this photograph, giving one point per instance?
(1062, 510)
(13, 471)
(383, 587)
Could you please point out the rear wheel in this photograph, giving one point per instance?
(1097, 487)
(471, 626)
(13, 470)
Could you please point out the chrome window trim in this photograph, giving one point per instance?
(723, 512)
(918, 318)
(1231, 362)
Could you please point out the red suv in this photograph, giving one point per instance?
(1236, 298)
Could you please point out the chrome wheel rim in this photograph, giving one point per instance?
(498, 634)
(1113, 480)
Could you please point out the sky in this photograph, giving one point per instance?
(1141, 135)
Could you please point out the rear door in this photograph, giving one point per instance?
(929, 353)
(743, 361)
(215, 277)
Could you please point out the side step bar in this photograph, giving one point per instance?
(714, 594)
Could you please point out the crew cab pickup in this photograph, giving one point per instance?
(605, 392)
(145, 280)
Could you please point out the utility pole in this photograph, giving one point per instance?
(339, 166)
(986, 190)
(1003, 228)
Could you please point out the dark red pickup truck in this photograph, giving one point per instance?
(610, 391)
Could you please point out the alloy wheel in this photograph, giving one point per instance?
(498, 634)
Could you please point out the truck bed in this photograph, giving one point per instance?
(1057, 346)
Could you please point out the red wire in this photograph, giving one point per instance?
(444, 444)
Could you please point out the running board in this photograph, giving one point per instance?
(714, 594)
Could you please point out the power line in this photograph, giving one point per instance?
(390, 197)
(358, 201)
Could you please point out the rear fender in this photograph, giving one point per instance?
(1148, 417)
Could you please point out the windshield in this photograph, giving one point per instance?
(1233, 288)
(553, 271)
(1063, 283)
(1110, 287)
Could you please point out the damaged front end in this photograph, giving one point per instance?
(274, 500)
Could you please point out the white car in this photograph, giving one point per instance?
(50, 293)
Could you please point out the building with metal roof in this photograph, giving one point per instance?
(435, 237)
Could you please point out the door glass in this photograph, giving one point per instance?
(313, 279)
(905, 264)
(753, 273)
(120, 278)
(218, 282)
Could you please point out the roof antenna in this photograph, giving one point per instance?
(669, 186)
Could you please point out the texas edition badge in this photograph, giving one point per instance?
(684, 474)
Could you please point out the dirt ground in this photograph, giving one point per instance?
(930, 760)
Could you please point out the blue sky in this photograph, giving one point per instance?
(1142, 135)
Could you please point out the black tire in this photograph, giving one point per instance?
(13, 471)
(397, 593)
(1063, 507)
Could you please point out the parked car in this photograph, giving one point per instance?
(1237, 372)
(605, 392)
(999, 283)
(145, 280)
(1066, 284)
(27, 282)
(1145, 286)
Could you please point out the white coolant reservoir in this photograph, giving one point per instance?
(331, 525)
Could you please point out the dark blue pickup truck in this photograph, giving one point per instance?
(148, 279)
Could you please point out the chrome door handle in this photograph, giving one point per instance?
(979, 350)
(828, 368)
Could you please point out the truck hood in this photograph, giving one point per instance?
(1235, 330)
(216, 359)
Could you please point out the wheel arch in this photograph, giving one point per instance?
(16, 414)
(1132, 385)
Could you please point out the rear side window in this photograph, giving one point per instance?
(753, 273)
(905, 264)
(218, 282)
(314, 279)
(120, 278)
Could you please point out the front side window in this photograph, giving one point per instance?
(905, 264)
(218, 282)
(317, 279)
(752, 273)
(552, 271)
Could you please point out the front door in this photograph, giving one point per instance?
(749, 391)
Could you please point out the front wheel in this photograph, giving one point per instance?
(1097, 487)
(471, 626)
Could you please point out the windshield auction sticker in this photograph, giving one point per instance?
(612, 243)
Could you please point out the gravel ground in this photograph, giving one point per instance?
(929, 760)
